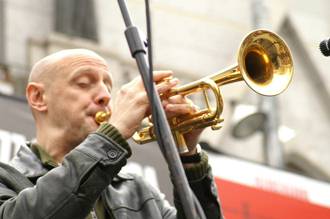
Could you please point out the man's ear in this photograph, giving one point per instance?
(35, 94)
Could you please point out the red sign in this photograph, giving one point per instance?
(245, 202)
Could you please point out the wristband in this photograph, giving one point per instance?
(195, 158)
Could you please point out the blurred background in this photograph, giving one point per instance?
(194, 39)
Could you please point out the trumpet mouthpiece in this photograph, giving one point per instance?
(102, 116)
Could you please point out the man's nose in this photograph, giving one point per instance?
(103, 97)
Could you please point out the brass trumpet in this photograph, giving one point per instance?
(264, 63)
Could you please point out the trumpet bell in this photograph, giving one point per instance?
(265, 62)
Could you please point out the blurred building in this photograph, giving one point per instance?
(193, 39)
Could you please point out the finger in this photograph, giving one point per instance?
(160, 75)
(178, 99)
(183, 100)
(180, 109)
(167, 85)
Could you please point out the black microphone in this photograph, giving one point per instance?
(325, 47)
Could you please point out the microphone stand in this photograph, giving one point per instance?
(165, 139)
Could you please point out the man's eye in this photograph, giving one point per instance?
(83, 84)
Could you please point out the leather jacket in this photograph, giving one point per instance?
(89, 171)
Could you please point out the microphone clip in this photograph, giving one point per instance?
(325, 47)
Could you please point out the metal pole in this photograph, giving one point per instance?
(165, 140)
(269, 105)
(2, 33)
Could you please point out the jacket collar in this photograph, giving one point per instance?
(28, 163)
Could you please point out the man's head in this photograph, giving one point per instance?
(65, 90)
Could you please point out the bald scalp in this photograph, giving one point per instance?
(45, 69)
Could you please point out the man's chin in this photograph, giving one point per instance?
(93, 127)
(92, 124)
(86, 130)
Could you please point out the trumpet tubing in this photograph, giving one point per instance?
(264, 63)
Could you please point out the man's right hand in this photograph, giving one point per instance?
(131, 104)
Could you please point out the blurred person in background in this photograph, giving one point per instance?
(72, 170)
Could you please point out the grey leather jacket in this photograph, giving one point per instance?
(88, 171)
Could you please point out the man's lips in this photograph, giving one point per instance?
(94, 112)
(100, 115)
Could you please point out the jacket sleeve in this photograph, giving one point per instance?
(68, 191)
(202, 183)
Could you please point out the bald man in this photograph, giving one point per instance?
(72, 170)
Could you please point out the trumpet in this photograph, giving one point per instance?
(264, 63)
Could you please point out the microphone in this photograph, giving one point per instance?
(325, 47)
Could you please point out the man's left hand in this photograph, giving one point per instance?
(179, 105)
